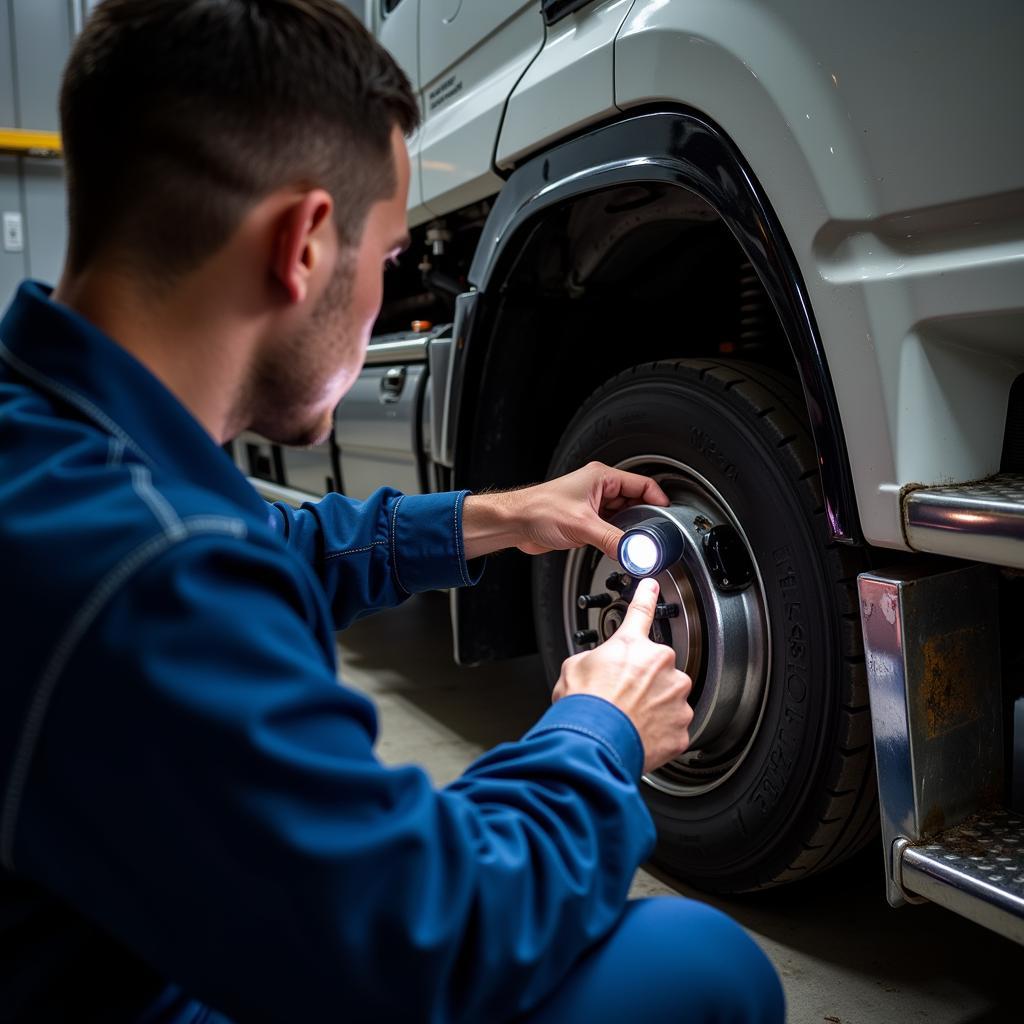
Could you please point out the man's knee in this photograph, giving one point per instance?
(669, 961)
(712, 967)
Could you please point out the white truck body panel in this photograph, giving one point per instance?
(470, 62)
(399, 31)
(878, 151)
(576, 65)
(417, 210)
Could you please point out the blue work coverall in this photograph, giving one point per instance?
(192, 813)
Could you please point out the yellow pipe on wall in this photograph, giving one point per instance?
(26, 142)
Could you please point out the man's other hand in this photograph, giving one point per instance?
(568, 512)
(639, 677)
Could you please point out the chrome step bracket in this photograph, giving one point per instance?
(983, 522)
(975, 870)
(931, 645)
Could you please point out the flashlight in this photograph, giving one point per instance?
(650, 547)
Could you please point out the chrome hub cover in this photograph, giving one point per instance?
(711, 612)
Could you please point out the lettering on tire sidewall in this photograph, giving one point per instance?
(702, 442)
(791, 674)
(791, 638)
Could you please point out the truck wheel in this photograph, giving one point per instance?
(779, 779)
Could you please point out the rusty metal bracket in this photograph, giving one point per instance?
(931, 642)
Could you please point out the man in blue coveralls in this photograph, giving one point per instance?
(194, 826)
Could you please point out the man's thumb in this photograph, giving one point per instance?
(602, 535)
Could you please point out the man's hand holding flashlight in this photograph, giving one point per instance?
(629, 670)
(639, 677)
(568, 512)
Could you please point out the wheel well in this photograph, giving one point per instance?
(606, 281)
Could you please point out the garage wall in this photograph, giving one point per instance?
(35, 36)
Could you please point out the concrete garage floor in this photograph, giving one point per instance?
(845, 957)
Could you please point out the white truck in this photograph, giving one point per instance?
(771, 253)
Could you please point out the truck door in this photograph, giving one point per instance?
(396, 23)
(471, 55)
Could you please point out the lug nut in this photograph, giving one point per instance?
(585, 601)
(582, 637)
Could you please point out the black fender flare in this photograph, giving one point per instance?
(682, 148)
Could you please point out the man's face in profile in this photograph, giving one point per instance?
(305, 375)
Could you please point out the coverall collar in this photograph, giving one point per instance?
(72, 360)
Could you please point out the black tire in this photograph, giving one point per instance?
(804, 796)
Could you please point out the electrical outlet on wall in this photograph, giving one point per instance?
(14, 236)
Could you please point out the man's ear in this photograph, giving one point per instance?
(303, 238)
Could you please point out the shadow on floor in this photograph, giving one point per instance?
(407, 651)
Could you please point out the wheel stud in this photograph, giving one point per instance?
(618, 582)
(582, 637)
(585, 601)
(666, 611)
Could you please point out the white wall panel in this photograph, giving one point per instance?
(42, 38)
(45, 219)
(13, 265)
(8, 106)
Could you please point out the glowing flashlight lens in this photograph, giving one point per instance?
(640, 554)
(651, 546)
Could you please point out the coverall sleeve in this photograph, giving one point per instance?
(207, 792)
(373, 554)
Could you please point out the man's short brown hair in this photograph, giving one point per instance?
(178, 115)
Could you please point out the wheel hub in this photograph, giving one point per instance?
(711, 612)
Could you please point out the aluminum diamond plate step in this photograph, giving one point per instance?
(983, 522)
(975, 869)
